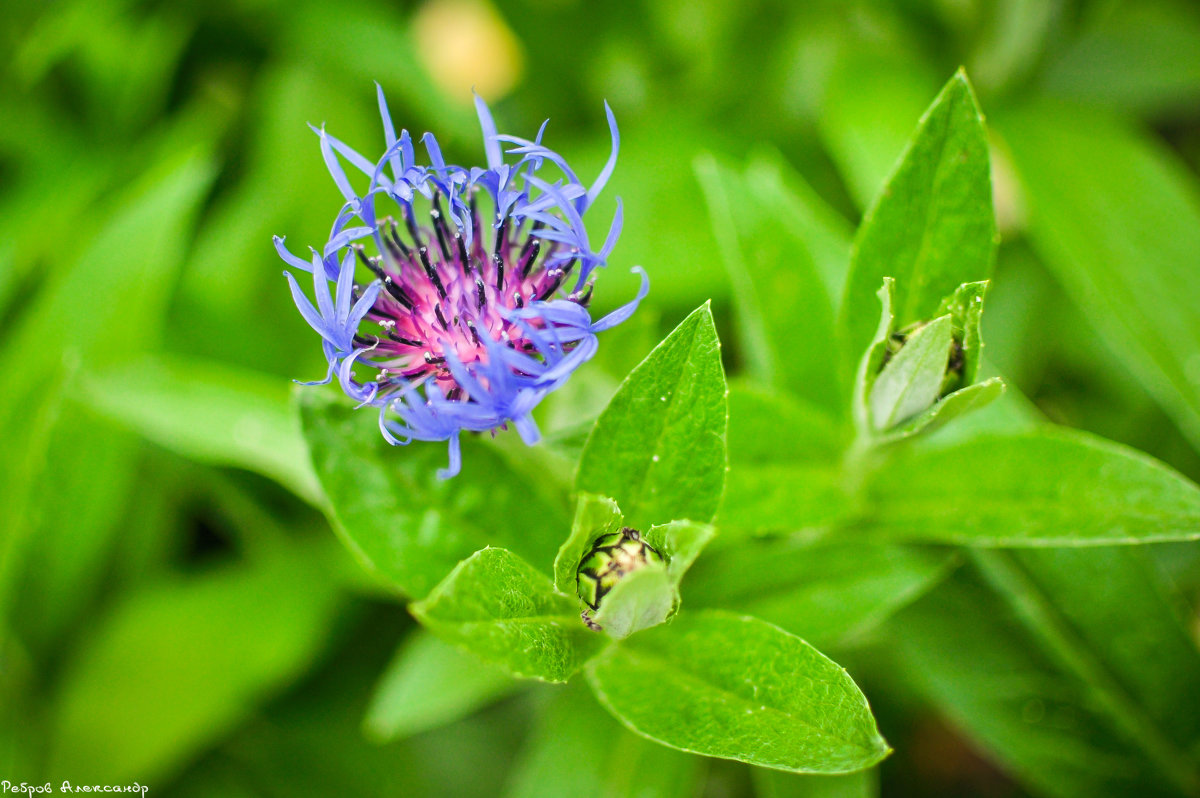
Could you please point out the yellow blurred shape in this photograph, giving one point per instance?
(464, 44)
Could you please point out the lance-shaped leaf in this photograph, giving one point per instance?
(731, 686)
(429, 684)
(1045, 487)
(658, 449)
(502, 609)
(932, 227)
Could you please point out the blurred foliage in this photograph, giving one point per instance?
(173, 607)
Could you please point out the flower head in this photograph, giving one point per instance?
(482, 279)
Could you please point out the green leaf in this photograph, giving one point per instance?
(1141, 57)
(577, 749)
(1116, 218)
(1128, 644)
(965, 307)
(659, 447)
(932, 227)
(736, 687)
(784, 464)
(209, 412)
(971, 656)
(1047, 487)
(948, 408)
(640, 600)
(175, 666)
(869, 104)
(430, 684)
(827, 592)
(785, 314)
(774, 784)
(594, 516)
(404, 523)
(912, 379)
(497, 606)
(141, 243)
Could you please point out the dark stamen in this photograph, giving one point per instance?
(431, 272)
(474, 333)
(394, 242)
(583, 299)
(480, 293)
(499, 261)
(464, 261)
(529, 254)
(363, 340)
(437, 311)
(400, 339)
(434, 361)
(439, 226)
(501, 238)
(556, 280)
(413, 231)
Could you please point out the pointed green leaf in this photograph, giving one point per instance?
(209, 412)
(658, 449)
(1046, 487)
(785, 314)
(430, 684)
(502, 609)
(1116, 217)
(736, 687)
(932, 227)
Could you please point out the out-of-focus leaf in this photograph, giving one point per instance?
(735, 687)
(175, 665)
(1117, 219)
(211, 413)
(871, 101)
(577, 749)
(931, 229)
(969, 654)
(1048, 487)
(504, 610)
(1143, 57)
(784, 464)
(784, 312)
(403, 522)
(127, 273)
(659, 447)
(827, 592)
(1127, 642)
(430, 684)
(773, 784)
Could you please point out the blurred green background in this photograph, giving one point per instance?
(173, 606)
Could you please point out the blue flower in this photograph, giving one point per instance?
(473, 317)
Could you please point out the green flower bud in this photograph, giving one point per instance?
(611, 558)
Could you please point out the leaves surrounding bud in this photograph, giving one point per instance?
(626, 580)
(925, 373)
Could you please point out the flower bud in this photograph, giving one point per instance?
(611, 558)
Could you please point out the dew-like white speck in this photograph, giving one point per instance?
(654, 459)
